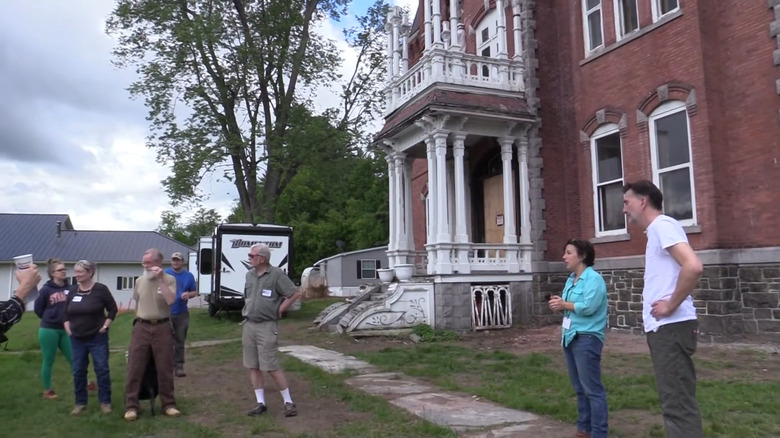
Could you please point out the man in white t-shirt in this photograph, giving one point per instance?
(672, 271)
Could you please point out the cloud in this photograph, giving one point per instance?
(71, 139)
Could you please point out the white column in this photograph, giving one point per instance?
(454, 16)
(510, 235)
(525, 203)
(437, 24)
(396, 46)
(443, 237)
(400, 193)
(501, 30)
(517, 30)
(461, 227)
(430, 149)
(428, 25)
(443, 234)
(389, 32)
(392, 244)
(408, 204)
(458, 149)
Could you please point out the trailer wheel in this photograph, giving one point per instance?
(213, 310)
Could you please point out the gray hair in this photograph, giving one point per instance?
(263, 250)
(87, 266)
(156, 253)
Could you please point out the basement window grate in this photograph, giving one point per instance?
(491, 306)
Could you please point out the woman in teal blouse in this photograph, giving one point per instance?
(584, 307)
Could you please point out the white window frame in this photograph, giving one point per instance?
(603, 131)
(656, 7)
(662, 111)
(586, 25)
(620, 26)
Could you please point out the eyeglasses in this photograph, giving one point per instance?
(251, 256)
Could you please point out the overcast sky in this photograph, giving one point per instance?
(71, 140)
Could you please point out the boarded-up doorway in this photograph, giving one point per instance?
(493, 198)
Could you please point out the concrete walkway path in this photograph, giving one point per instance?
(466, 414)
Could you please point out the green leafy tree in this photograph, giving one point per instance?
(229, 85)
(339, 207)
(202, 223)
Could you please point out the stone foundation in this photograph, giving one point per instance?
(731, 300)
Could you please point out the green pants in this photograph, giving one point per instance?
(51, 340)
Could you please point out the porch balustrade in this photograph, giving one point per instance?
(457, 68)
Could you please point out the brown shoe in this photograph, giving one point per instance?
(92, 386)
(78, 409)
(180, 372)
(49, 394)
(290, 410)
(581, 434)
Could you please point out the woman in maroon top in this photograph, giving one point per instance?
(89, 312)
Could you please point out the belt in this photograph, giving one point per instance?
(152, 321)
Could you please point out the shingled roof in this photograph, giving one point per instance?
(40, 235)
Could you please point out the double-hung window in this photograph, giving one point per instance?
(592, 25)
(367, 269)
(487, 38)
(626, 17)
(663, 7)
(670, 146)
(607, 156)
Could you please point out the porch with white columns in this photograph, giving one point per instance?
(510, 235)
(461, 227)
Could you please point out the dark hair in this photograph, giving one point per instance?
(584, 250)
(51, 265)
(647, 189)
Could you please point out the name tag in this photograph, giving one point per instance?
(76, 299)
(566, 323)
(267, 292)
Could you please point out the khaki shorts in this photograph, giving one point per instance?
(259, 345)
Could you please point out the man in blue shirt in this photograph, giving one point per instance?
(180, 315)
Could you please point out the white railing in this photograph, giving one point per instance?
(450, 67)
(497, 257)
(491, 306)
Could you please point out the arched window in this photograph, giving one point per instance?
(670, 151)
(607, 164)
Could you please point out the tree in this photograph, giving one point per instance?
(229, 85)
(202, 223)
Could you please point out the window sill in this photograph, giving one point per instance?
(692, 229)
(631, 37)
(611, 238)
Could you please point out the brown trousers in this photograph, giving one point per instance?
(157, 340)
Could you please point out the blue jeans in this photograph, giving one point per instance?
(98, 348)
(583, 358)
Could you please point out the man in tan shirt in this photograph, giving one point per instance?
(152, 334)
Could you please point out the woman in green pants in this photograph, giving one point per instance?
(50, 307)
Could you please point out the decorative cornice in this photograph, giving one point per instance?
(607, 114)
(665, 93)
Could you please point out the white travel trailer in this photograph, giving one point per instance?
(222, 260)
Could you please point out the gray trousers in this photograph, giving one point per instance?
(671, 348)
(180, 323)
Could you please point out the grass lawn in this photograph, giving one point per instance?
(212, 406)
(539, 383)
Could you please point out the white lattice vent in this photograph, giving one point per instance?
(491, 306)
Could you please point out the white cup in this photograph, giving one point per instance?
(23, 261)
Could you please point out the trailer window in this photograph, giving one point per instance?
(367, 269)
(205, 263)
